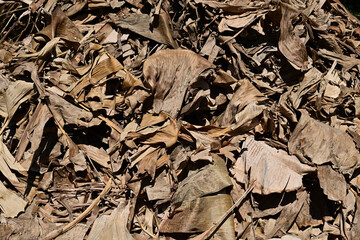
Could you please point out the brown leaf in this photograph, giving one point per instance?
(234, 6)
(288, 215)
(140, 24)
(67, 113)
(332, 183)
(355, 230)
(322, 143)
(196, 217)
(157, 129)
(112, 226)
(262, 164)
(234, 22)
(98, 155)
(103, 65)
(16, 93)
(290, 45)
(10, 203)
(61, 26)
(170, 74)
(245, 94)
(33, 134)
(208, 180)
(7, 164)
(161, 189)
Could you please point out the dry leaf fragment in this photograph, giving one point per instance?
(199, 215)
(234, 6)
(98, 155)
(112, 226)
(307, 85)
(208, 180)
(10, 203)
(288, 215)
(346, 61)
(207, 136)
(61, 26)
(103, 65)
(170, 74)
(245, 94)
(234, 22)
(322, 143)
(8, 163)
(16, 93)
(5, 56)
(273, 170)
(156, 129)
(78, 232)
(140, 24)
(161, 188)
(33, 134)
(68, 113)
(355, 230)
(289, 44)
(332, 183)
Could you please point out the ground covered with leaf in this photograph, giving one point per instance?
(189, 119)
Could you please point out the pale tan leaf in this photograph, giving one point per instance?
(114, 226)
(273, 170)
(10, 203)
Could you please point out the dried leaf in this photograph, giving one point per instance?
(170, 74)
(16, 93)
(140, 24)
(322, 143)
(10, 203)
(112, 226)
(332, 183)
(289, 44)
(196, 217)
(157, 129)
(262, 164)
(97, 155)
(208, 180)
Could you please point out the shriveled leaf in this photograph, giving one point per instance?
(16, 93)
(98, 155)
(157, 129)
(10, 203)
(245, 94)
(332, 183)
(208, 180)
(196, 217)
(289, 44)
(61, 26)
(140, 24)
(322, 143)
(288, 215)
(33, 135)
(273, 170)
(170, 74)
(161, 188)
(112, 226)
(68, 113)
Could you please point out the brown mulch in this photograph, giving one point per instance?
(189, 119)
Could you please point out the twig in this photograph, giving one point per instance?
(212, 230)
(60, 231)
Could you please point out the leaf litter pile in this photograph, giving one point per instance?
(190, 119)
